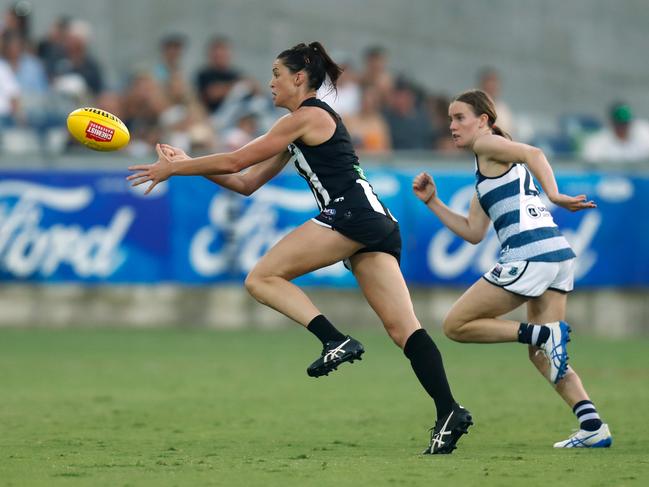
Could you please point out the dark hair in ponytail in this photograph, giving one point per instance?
(314, 60)
(481, 103)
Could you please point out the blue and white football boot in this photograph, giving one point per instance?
(600, 438)
(555, 349)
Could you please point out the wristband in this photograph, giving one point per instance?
(429, 199)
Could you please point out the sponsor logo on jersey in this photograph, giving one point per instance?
(536, 211)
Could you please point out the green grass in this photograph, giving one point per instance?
(194, 408)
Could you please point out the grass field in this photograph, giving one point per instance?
(194, 408)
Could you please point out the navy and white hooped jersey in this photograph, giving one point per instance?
(331, 169)
(524, 225)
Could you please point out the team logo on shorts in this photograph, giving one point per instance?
(513, 270)
(497, 270)
(328, 214)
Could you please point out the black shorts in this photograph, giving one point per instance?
(354, 217)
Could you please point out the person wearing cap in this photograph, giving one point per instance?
(626, 140)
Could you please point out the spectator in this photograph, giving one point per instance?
(368, 129)
(144, 103)
(410, 127)
(626, 140)
(51, 50)
(215, 80)
(489, 81)
(9, 95)
(243, 132)
(30, 75)
(77, 60)
(346, 99)
(375, 72)
(18, 18)
(27, 68)
(184, 121)
(172, 48)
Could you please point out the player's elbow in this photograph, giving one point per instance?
(247, 190)
(533, 153)
(474, 239)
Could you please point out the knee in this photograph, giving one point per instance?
(254, 283)
(452, 328)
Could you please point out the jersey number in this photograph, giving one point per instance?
(530, 188)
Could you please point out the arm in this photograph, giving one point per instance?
(250, 181)
(274, 142)
(246, 183)
(499, 149)
(471, 228)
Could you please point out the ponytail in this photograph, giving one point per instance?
(498, 131)
(313, 59)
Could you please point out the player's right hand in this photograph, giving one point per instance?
(424, 187)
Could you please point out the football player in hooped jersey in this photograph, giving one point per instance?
(353, 225)
(536, 264)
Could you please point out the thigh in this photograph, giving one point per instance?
(484, 300)
(379, 277)
(549, 307)
(307, 248)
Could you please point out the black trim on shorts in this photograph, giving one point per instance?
(562, 291)
(510, 292)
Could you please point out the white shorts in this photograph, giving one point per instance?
(531, 279)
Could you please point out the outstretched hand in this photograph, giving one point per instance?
(174, 153)
(155, 173)
(573, 203)
(424, 187)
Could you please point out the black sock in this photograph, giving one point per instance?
(427, 363)
(324, 330)
(587, 415)
(533, 334)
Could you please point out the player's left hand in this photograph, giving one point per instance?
(174, 153)
(155, 173)
(573, 203)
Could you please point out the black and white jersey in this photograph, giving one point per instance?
(346, 199)
(330, 168)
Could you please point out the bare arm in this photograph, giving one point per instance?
(274, 142)
(250, 181)
(242, 183)
(471, 228)
(499, 149)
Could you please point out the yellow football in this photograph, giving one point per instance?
(97, 129)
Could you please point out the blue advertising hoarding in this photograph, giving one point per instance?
(91, 227)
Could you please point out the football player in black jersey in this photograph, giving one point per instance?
(353, 226)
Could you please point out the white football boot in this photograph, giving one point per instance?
(600, 438)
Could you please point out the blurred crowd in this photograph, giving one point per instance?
(220, 108)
